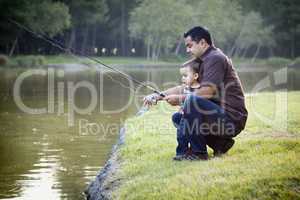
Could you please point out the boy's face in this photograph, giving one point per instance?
(188, 77)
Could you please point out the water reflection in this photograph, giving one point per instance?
(41, 181)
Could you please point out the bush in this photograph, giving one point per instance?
(40, 61)
(28, 61)
(296, 62)
(278, 62)
(173, 58)
(3, 60)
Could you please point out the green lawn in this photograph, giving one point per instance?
(106, 60)
(37, 61)
(263, 164)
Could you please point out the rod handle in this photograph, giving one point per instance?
(160, 93)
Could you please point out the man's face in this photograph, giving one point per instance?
(194, 48)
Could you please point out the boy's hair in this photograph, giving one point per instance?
(194, 64)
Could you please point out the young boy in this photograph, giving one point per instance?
(190, 77)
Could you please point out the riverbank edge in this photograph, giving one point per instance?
(238, 66)
(105, 182)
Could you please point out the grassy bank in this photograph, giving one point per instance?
(264, 163)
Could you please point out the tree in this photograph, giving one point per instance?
(116, 28)
(85, 16)
(44, 16)
(48, 17)
(253, 33)
(224, 24)
(289, 25)
(284, 16)
(159, 25)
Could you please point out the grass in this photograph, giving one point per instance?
(107, 60)
(62, 59)
(38, 60)
(264, 163)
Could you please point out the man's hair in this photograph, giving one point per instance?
(194, 64)
(197, 33)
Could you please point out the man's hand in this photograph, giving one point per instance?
(152, 99)
(174, 99)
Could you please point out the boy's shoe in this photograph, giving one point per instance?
(223, 147)
(198, 156)
(179, 157)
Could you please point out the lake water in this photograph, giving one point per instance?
(56, 152)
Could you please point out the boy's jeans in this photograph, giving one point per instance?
(202, 122)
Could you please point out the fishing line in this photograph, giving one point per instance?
(76, 54)
(59, 45)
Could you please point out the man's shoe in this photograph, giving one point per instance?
(198, 156)
(179, 157)
(223, 147)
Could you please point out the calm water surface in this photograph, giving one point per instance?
(55, 156)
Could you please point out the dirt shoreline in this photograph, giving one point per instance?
(105, 182)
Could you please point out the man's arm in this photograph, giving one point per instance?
(205, 92)
(174, 90)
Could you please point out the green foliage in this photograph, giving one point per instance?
(296, 62)
(284, 17)
(87, 12)
(174, 58)
(47, 17)
(224, 24)
(43, 16)
(254, 32)
(27, 62)
(239, 27)
(160, 25)
(278, 62)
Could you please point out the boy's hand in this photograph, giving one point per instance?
(152, 99)
(174, 99)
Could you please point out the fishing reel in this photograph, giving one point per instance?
(153, 97)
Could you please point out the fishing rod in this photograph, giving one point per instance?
(74, 52)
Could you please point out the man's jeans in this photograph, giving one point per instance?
(201, 123)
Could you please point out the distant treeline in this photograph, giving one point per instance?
(151, 28)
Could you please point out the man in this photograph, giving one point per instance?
(216, 112)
